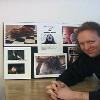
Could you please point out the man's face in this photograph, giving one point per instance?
(89, 42)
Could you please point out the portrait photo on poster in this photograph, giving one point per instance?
(49, 65)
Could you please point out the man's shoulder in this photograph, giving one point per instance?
(83, 56)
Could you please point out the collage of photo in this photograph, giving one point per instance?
(36, 50)
(17, 63)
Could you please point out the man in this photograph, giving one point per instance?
(88, 37)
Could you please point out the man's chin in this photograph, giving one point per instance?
(92, 55)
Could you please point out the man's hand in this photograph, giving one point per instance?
(66, 93)
(53, 88)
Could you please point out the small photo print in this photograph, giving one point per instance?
(69, 34)
(73, 50)
(49, 65)
(16, 69)
(15, 54)
(72, 54)
(20, 34)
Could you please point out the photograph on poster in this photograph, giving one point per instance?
(16, 68)
(17, 62)
(72, 54)
(15, 54)
(50, 38)
(49, 65)
(20, 34)
(69, 34)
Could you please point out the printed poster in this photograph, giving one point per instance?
(50, 38)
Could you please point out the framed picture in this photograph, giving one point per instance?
(17, 62)
(20, 34)
(49, 65)
(72, 54)
(69, 35)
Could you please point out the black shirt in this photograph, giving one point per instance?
(83, 67)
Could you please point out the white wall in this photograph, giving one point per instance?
(74, 11)
(62, 11)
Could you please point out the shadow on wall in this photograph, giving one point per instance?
(1, 51)
(2, 90)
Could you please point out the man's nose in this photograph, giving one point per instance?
(86, 46)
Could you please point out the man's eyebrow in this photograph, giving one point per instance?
(78, 41)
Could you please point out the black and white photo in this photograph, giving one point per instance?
(72, 54)
(48, 38)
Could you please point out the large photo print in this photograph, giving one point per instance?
(49, 65)
(20, 34)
